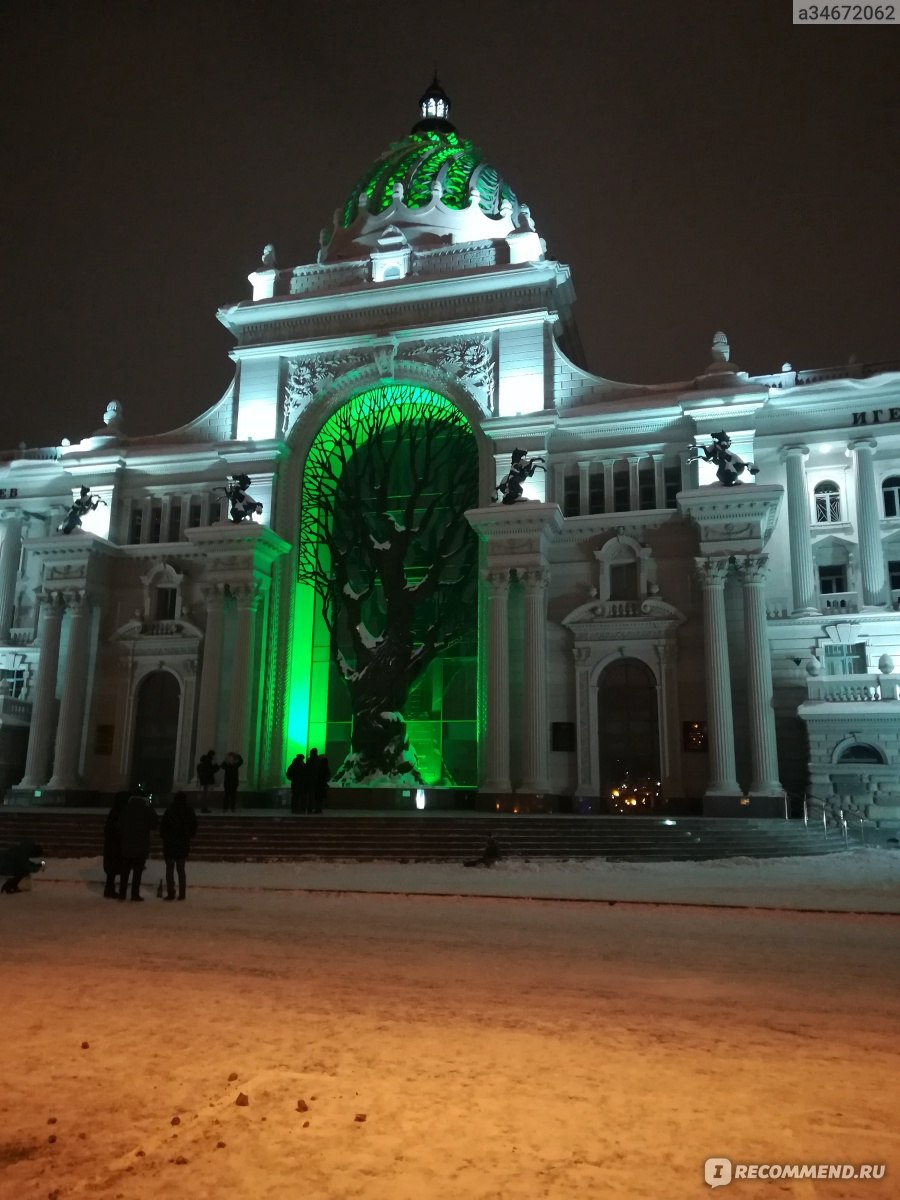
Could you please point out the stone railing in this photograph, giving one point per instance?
(21, 635)
(16, 711)
(838, 603)
(843, 689)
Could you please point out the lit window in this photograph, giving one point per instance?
(890, 490)
(828, 502)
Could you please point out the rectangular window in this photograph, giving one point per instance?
(623, 581)
(621, 488)
(195, 512)
(571, 496)
(103, 739)
(135, 523)
(672, 478)
(647, 485)
(155, 521)
(174, 531)
(894, 575)
(693, 737)
(165, 604)
(832, 579)
(562, 735)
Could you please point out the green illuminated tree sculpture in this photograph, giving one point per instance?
(386, 545)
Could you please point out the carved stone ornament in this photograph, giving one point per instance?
(307, 377)
(469, 360)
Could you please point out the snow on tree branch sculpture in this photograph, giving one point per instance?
(385, 543)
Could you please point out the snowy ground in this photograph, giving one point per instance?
(497, 1049)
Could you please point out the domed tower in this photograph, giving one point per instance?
(431, 189)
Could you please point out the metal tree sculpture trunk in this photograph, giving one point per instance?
(385, 543)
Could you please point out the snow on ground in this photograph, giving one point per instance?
(858, 880)
(448, 1047)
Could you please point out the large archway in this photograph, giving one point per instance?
(628, 733)
(385, 629)
(155, 732)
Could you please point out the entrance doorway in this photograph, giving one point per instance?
(155, 732)
(628, 730)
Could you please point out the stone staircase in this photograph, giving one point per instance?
(248, 837)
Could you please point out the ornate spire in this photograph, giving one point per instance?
(434, 106)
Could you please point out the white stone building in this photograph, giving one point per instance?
(634, 619)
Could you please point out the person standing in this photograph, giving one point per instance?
(112, 844)
(138, 819)
(297, 774)
(207, 769)
(319, 775)
(230, 769)
(16, 862)
(177, 828)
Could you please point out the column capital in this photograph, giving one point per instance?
(752, 569)
(248, 595)
(798, 450)
(213, 594)
(497, 580)
(52, 602)
(865, 443)
(535, 579)
(581, 654)
(712, 572)
(76, 600)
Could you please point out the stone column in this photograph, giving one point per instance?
(868, 524)
(496, 760)
(242, 709)
(535, 731)
(72, 705)
(752, 570)
(659, 472)
(584, 487)
(10, 552)
(585, 733)
(211, 675)
(43, 712)
(559, 483)
(609, 503)
(712, 573)
(803, 579)
(634, 483)
(668, 720)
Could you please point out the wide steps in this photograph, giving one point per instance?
(251, 837)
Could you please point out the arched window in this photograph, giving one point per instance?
(828, 501)
(861, 753)
(890, 490)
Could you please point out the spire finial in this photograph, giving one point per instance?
(434, 107)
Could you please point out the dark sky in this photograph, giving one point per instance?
(700, 165)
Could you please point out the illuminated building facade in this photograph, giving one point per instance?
(633, 621)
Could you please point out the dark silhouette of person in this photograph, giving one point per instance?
(231, 766)
(177, 828)
(489, 856)
(112, 845)
(207, 769)
(319, 774)
(298, 774)
(138, 820)
(16, 862)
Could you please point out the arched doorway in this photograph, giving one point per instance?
(628, 731)
(155, 732)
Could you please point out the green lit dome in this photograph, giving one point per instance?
(417, 163)
(432, 189)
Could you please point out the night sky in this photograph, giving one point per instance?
(699, 165)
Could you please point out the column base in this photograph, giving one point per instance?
(760, 807)
(809, 611)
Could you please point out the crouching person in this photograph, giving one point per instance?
(177, 828)
(16, 862)
(489, 856)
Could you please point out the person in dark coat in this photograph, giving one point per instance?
(138, 820)
(298, 775)
(230, 769)
(207, 769)
(319, 775)
(489, 856)
(112, 844)
(16, 862)
(177, 828)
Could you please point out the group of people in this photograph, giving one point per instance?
(208, 769)
(126, 843)
(309, 782)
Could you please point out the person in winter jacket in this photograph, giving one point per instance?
(112, 844)
(207, 769)
(16, 863)
(298, 774)
(231, 767)
(319, 773)
(177, 828)
(137, 821)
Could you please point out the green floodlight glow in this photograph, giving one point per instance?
(386, 561)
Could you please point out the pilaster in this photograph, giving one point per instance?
(495, 772)
(712, 573)
(803, 580)
(868, 524)
(535, 732)
(72, 703)
(752, 570)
